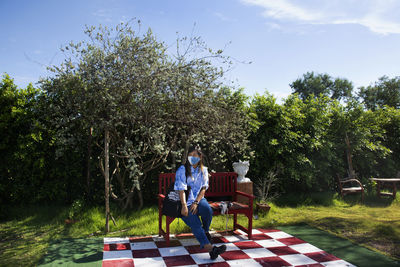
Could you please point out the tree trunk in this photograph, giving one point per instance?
(128, 201)
(140, 195)
(89, 155)
(349, 160)
(107, 177)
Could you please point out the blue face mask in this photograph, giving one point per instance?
(193, 160)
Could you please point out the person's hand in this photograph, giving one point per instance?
(193, 208)
(184, 211)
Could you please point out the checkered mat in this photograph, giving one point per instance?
(267, 248)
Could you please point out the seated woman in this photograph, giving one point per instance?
(196, 175)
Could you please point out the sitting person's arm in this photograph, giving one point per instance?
(200, 195)
(182, 196)
(180, 184)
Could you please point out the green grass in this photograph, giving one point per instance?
(27, 231)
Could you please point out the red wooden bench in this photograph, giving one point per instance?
(221, 185)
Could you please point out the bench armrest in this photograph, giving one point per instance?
(351, 180)
(244, 194)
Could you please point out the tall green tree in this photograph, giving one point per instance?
(305, 141)
(322, 84)
(21, 167)
(385, 91)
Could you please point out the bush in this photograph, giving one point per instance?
(76, 209)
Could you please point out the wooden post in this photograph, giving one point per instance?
(246, 187)
(107, 176)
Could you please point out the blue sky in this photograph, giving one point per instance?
(354, 39)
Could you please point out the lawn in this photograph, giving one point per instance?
(27, 231)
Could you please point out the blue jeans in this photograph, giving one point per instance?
(199, 228)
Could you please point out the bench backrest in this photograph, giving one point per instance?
(221, 184)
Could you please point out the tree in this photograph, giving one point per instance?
(19, 143)
(107, 86)
(385, 91)
(143, 104)
(305, 141)
(9, 130)
(322, 84)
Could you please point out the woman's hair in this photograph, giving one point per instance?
(188, 170)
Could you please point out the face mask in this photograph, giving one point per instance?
(193, 160)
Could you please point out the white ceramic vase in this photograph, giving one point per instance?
(241, 168)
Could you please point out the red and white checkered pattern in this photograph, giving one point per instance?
(267, 248)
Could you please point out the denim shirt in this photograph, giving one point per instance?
(198, 180)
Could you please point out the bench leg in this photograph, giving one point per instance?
(378, 189)
(250, 225)
(159, 223)
(234, 222)
(249, 229)
(166, 236)
(161, 232)
(168, 220)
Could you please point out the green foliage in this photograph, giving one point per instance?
(32, 170)
(304, 141)
(385, 91)
(322, 84)
(76, 209)
(21, 167)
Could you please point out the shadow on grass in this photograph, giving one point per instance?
(336, 224)
(82, 251)
(26, 230)
(303, 199)
(33, 214)
(327, 199)
(370, 200)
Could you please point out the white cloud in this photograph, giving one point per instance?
(103, 15)
(99, 13)
(221, 16)
(379, 16)
(282, 9)
(273, 26)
